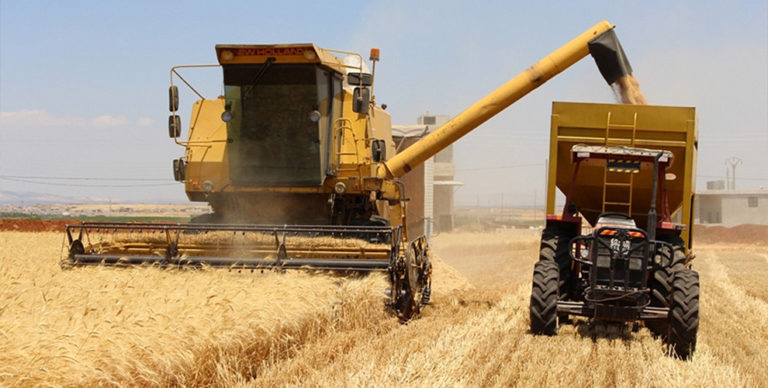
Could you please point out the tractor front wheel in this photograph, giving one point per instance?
(544, 296)
(668, 262)
(684, 313)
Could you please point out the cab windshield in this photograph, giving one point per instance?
(273, 141)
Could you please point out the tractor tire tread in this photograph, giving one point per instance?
(544, 297)
(554, 248)
(684, 313)
(661, 285)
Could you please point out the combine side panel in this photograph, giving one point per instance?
(206, 154)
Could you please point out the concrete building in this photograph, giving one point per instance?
(732, 207)
(429, 186)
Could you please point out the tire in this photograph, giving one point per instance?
(660, 284)
(406, 304)
(544, 296)
(684, 313)
(554, 247)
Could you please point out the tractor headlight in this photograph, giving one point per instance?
(340, 187)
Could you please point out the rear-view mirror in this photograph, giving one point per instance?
(361, 100)
(379, 150)
(174, 126)
(179, 173)
(173, 98)
(360, 79)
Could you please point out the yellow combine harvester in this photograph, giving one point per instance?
(628, 171)
(297, 162)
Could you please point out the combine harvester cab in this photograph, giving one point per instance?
(298, 140)
(285, 158)
(628, 171)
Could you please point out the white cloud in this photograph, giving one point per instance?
(41, 118)
(37, 117)
(109, 121)
(145, 122)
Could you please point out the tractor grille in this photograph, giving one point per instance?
(621, 260)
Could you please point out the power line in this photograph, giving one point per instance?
(37, 181)
(740, 178)
(70, 178)
(500, 167)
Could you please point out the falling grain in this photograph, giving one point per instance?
(627, 89)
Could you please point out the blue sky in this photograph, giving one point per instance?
(83, 84)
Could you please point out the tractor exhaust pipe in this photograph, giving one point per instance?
(652, 211)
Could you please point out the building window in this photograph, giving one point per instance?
(752, 201)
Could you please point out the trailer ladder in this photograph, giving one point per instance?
(616, 185)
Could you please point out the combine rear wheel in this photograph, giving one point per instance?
(544, 296)
(684, 313)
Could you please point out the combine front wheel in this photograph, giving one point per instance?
(413, 280)
(406, 303)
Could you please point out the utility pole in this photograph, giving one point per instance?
(730, 175)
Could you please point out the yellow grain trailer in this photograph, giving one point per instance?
(627, 171)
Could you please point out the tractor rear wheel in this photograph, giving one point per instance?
(544, 296)
(660, 283)
(684, 313)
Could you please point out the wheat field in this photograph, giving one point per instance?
(149, 327)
